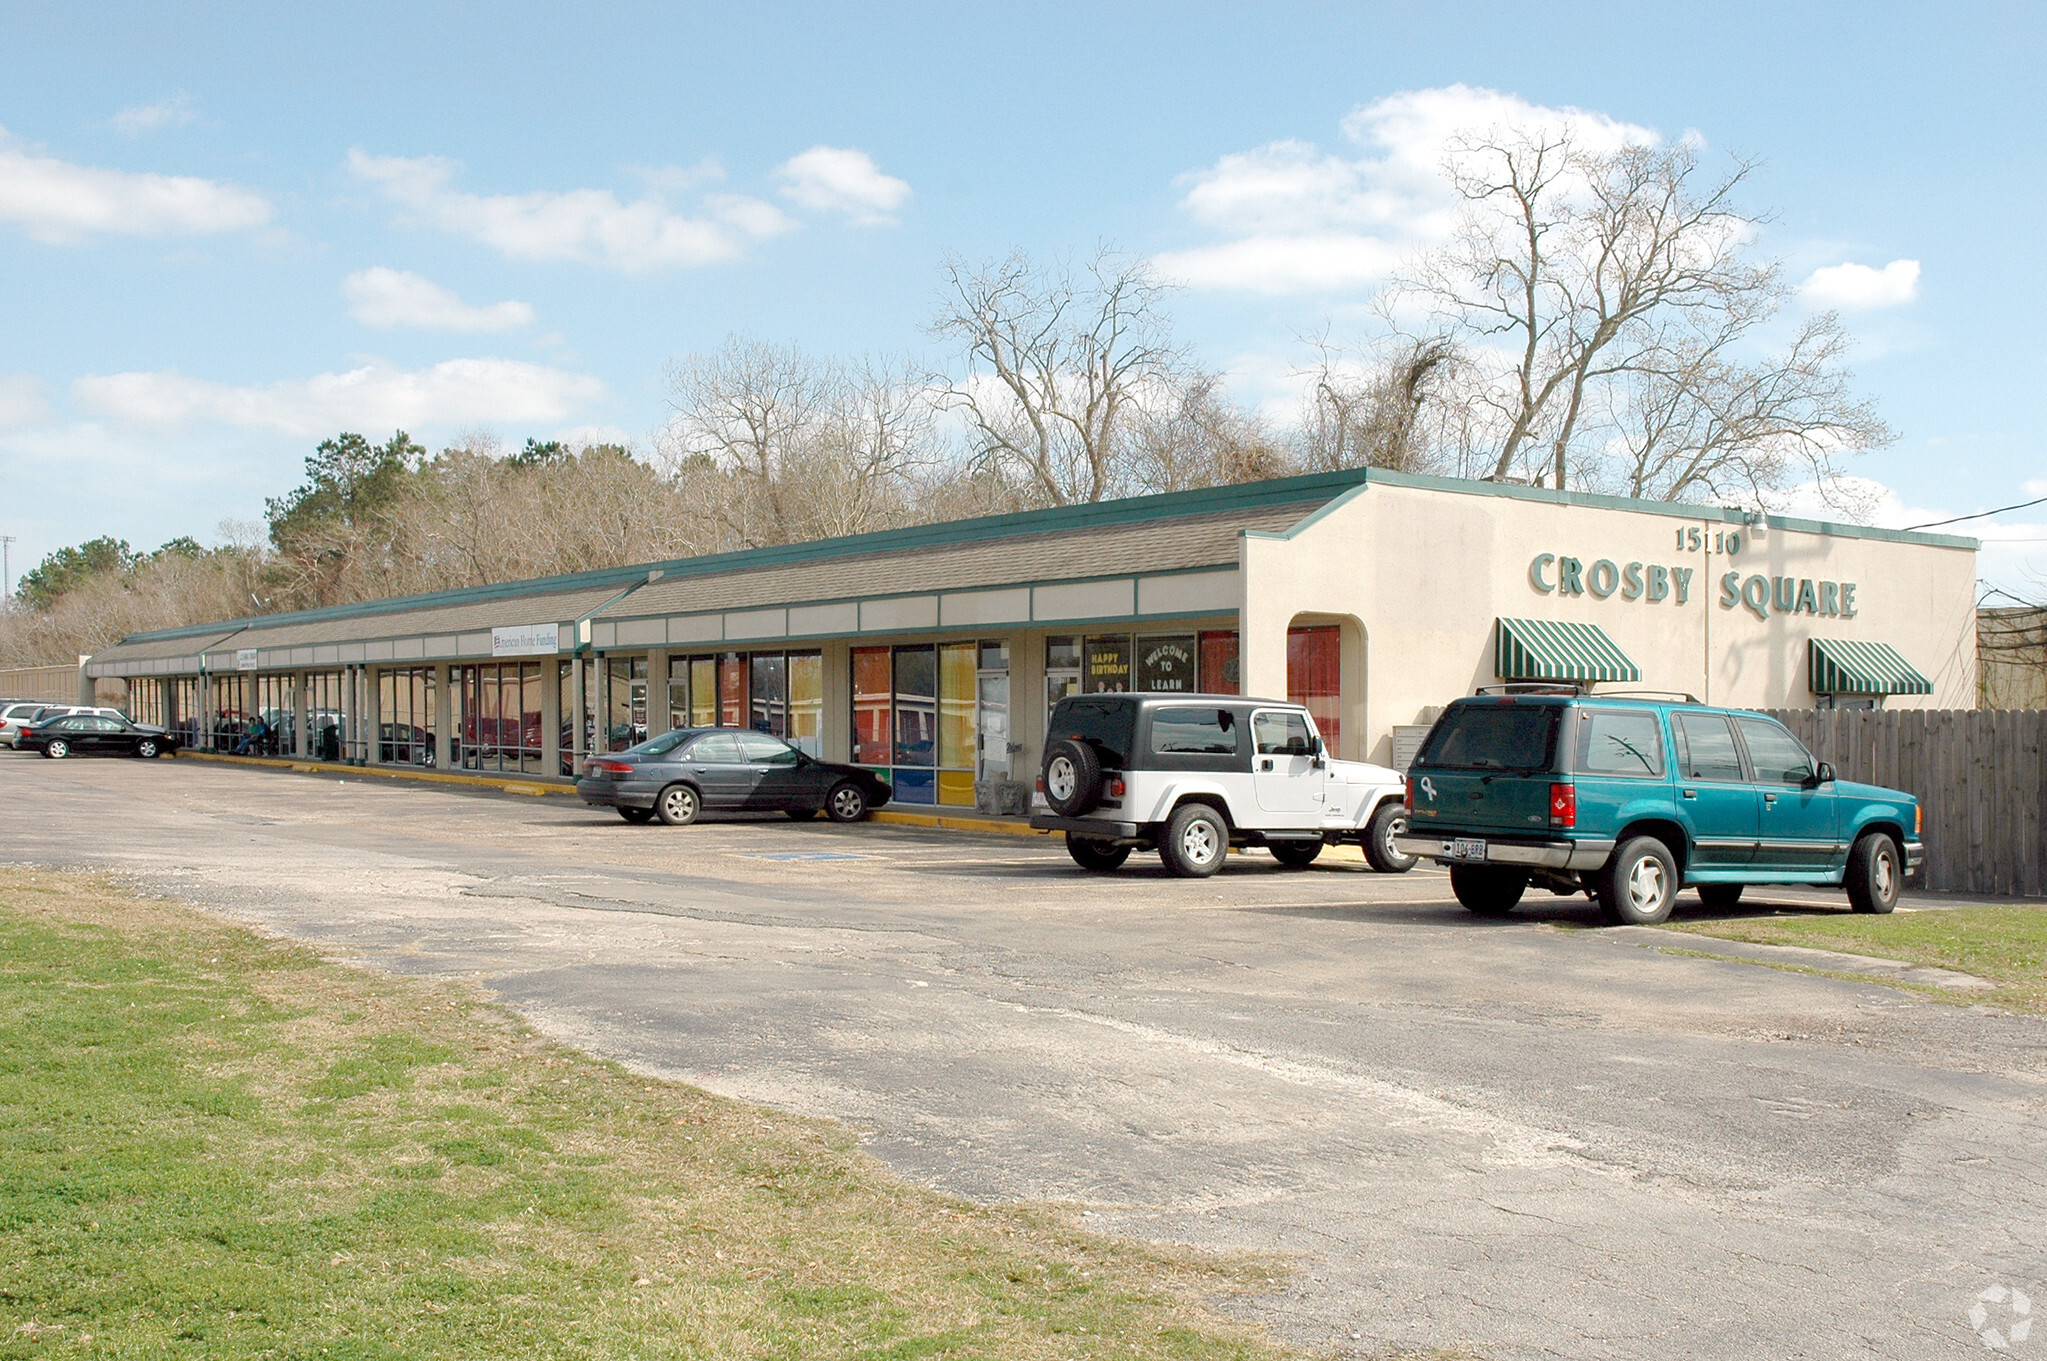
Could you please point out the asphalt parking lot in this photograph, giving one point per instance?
(1521, 1138)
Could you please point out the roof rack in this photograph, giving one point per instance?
(1676, 696)
(1533, 688)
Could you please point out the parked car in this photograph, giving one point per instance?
(1192, 775)
(23, 714)
(97, 733)
(679, 774)
(18, 718)
(1630, 799)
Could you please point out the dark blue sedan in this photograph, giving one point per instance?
(678, 775)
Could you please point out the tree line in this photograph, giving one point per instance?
(1599, 320)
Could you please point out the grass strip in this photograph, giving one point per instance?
(2005, 943)
(216, 1145)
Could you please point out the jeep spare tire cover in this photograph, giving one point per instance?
(1073, 777)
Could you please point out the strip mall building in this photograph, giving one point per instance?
(934, 653)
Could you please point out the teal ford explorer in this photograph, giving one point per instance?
(1631, 799)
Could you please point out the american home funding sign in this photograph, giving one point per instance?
(1603, 578)
(525, 640)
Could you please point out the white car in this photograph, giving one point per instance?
(30, 712)
(1192, 775)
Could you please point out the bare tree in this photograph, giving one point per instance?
(1056, 366)
(805, 448)
(1374, 415)
(1613, 290)
(1199, 438)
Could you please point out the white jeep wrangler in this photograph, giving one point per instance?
(1193, 775)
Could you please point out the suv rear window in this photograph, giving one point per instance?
(1487, 736)
(1199, 732)
(1106, 724)
(1618, 742)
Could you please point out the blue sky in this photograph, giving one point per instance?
(229, 231)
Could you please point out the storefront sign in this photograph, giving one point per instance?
(525, 640)
(1554, 574)
(245, 659)
(1166, 664)
(1762, 596)
(1105, 665)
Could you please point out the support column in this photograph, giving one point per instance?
(444, 709)
(658, 718)
(579, 697)
(373, 719)
(551, 718)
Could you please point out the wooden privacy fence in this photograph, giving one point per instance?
(1981, 778)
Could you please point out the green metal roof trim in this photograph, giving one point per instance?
(1131, 510)
(1838, 666)
(1599, 500)
(1551, 649)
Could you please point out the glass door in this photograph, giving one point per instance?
(994, 726)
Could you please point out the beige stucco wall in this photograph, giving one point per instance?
(1424, 571)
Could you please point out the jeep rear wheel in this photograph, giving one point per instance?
(1092, 853)
(1639, 884)
(1073, 777)
(1390, 821)
(1195, 842)
(1487, 889)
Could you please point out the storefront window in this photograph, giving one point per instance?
(625, 702)
(498, 718)
(1314, 677)
(956, 705)
(678, 693)
(1165, 662)
(1218, 670)
(920, 713)
(327, 716)
(806, 702)
(1062, 670)
(916, 715)
(872, 721)
(703, 692)
(770, 695)
(405, 716)
(1105, 664)
(732, 691)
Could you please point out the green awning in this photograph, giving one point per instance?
(1839, 667)
(1548, 649)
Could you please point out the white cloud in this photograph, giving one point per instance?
(840, 180)
(21, 401)
(392, 297)
(1302, 219)
(457, 392)
(1853, 287)
(2013, 555)
(57, 201)
(582, 224)
(175, 112)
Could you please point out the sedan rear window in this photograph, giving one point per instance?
(1108, 725)
(1487, 736)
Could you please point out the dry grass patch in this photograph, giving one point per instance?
(2005, 943)
(216, 1145)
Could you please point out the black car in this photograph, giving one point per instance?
(96, 735)
(679, 774)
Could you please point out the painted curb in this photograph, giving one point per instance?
(533, 788)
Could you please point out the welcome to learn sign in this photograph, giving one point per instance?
(525, 640)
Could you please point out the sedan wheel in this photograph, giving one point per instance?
(58, 749)
(146, 749)
(677, 806)
(846, 802)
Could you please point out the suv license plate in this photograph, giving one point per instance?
(1466, 850)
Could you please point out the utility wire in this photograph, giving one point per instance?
(1979, 514)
